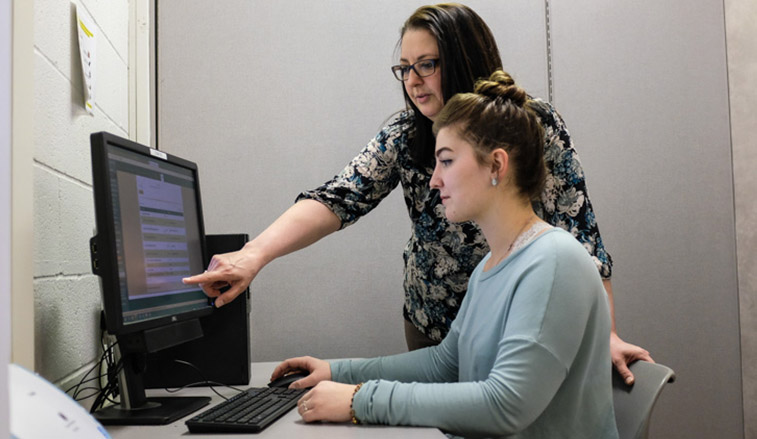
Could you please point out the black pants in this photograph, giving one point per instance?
(416, 339)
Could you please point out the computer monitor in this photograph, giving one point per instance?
(149, 236)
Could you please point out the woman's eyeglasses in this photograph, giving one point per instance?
(422, 68)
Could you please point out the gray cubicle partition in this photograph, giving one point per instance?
(644, 88)
(271, 98)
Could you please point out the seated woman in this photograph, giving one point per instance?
(528, 354)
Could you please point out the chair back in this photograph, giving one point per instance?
(634, 404)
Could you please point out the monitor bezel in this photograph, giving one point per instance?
(103, 245)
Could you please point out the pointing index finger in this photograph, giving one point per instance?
(200, 278)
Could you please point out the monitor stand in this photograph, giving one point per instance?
(155, 411)
(136, 408)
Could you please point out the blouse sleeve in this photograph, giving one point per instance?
(367, 179)
(565, 200)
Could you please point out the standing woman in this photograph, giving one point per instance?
(527, 355)
(444, 49)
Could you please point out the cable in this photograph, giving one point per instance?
(204, 381)
(77, 389)
(107, 389)
(111, 388)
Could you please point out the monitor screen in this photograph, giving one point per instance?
(150, 235)
(149, 222)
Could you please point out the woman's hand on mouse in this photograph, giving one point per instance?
(319, 371)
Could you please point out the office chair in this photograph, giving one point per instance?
(634, 404)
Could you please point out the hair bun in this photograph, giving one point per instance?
(501, 85)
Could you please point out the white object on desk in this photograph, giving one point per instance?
(41, 410)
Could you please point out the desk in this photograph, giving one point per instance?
(288, 426)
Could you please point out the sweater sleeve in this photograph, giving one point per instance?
(435, 364)
(509, 400)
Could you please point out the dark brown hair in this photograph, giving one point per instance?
(467, 52)
(498, 115)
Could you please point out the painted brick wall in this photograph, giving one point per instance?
(67, 297)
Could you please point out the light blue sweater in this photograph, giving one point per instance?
(527, 356)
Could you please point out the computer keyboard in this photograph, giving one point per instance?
(249, 411)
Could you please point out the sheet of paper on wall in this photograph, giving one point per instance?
(87, 46)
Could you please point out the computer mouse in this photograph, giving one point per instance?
(288, 379)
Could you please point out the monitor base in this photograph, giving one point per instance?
(157, 411)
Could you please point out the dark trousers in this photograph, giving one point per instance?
(416, 339)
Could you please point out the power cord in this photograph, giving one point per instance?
(103, 392)
(108, 391)
(204, 382)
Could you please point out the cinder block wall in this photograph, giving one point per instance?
(67, 296)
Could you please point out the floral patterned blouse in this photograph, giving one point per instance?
(440, 256)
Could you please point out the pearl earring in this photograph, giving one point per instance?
(494, 181)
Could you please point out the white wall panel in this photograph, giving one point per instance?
(66, 294)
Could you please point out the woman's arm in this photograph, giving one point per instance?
(514, 394)
(300, 226)
(332, 400)
(359, 188)
(493, 407)
(622, 353)
(435, 364)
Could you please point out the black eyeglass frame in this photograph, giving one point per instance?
(402, 71)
